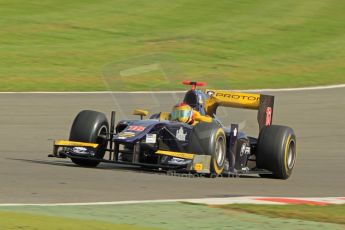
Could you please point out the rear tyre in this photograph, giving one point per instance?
(276, 151)
(90, 126)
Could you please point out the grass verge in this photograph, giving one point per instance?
(85, 45)
(12, 220)
(170, 216)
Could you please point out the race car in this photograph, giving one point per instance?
(189, 139)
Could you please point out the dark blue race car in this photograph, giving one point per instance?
(189, 139)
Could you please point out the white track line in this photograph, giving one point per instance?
(298, 89)
(90, 203)
(208, 201)
(154, 92)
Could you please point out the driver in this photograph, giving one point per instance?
(182, 112)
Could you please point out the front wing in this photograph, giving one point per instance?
(199, 163)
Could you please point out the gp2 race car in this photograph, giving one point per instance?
(205, 146)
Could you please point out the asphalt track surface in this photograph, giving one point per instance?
(29, 122)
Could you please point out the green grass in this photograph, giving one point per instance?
(172, 216)
(329, 214)
(86, 45)
(12, 221)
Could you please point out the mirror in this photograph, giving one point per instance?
(141, 113)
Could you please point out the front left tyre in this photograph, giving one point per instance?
(218, 151)
(90, 126)
(209, 139)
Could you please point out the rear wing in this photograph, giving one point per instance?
(263, 103)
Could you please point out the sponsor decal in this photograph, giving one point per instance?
(200, 99)
(136, 128)
(125, 135)
(151, 138)
(245, 169)
(210, 93)
(236, 96)
(235, 132)
(180, 135)
(245, 150)
(79, 150)
(82, 151)
(268, 116)
(179, 161)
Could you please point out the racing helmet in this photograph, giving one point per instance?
(182, 112)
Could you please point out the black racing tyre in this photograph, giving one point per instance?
(218, 151)
(87, 126)
(276, 151)
(208, 138)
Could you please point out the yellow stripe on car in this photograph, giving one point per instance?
(75, 144)
(176, 154)
(286, 154)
